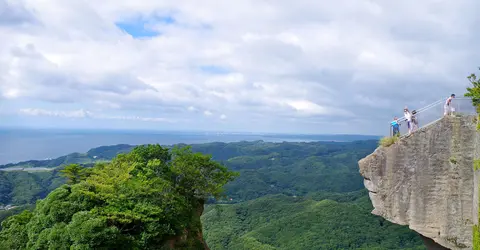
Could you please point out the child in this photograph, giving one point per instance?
(395, 127)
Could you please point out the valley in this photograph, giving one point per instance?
(290, 195)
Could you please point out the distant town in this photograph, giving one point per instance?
(7, 207)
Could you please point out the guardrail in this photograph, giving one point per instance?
(434, 112)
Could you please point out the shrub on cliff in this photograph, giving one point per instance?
(388, 140)
(474, 91)
(151, 198)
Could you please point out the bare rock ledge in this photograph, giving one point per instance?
(426, 181)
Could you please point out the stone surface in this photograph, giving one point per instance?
(426, 181)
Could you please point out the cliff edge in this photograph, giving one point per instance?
(427, 181)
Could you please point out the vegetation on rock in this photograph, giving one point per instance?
(474, 93)
(150, 198)
(388, 141)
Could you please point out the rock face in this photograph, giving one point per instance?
(426, 181)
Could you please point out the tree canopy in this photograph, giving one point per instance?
(474, 91)
(150, 198)
(74, 173)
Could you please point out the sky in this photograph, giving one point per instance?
(308, 66)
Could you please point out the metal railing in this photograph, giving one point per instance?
(434, 112)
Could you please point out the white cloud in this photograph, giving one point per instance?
(88, 114)
(223, 117)
(69, 114)
(260, 62)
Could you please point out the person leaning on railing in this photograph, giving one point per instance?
(408, 117)
(395, 127)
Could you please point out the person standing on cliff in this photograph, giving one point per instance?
(414, 121)
(408, 117)
(448, 107)
(395, 127)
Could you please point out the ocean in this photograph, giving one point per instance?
(23, 145)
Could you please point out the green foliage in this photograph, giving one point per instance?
(20, 187)
(6, 213)
(338, 197)
(476, 237)
(476, 227)
(140, 200)
(14, 233)
(313, 172)
(388, 140)
(74, 173)
(294, 168)
(474, 91)
(282, 222)
(453, 160)
(476, 164)
(6, 189)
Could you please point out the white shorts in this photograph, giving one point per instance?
(448, 109)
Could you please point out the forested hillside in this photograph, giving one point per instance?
(150, 198)
(283, 222)
(266, 168)
(288, 196)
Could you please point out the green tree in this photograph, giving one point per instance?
(74, 173)
(474, 92)
(150, 198)
(14, 233)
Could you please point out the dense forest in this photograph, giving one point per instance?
(287, 196)
(286, 222)
(150, 198)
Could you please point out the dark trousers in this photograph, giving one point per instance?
(396, 130)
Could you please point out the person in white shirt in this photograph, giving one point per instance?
(447, 108)
(408, 117)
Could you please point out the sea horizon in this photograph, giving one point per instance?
(21, 144)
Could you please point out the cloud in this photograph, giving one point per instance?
(69, 114)
(223, 117)
(88, 114)
(262, 63)
(13, 13)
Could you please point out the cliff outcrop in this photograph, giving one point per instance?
(427, 181)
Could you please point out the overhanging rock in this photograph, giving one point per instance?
(426, 181)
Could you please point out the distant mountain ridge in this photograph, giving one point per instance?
(90, 157)
(103, 153)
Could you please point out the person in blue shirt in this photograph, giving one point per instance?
(395, 127)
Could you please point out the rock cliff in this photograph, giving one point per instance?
(427, 181)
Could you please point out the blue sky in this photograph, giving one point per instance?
(259, 66)
(144, 27)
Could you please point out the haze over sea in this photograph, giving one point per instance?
(22, 145)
